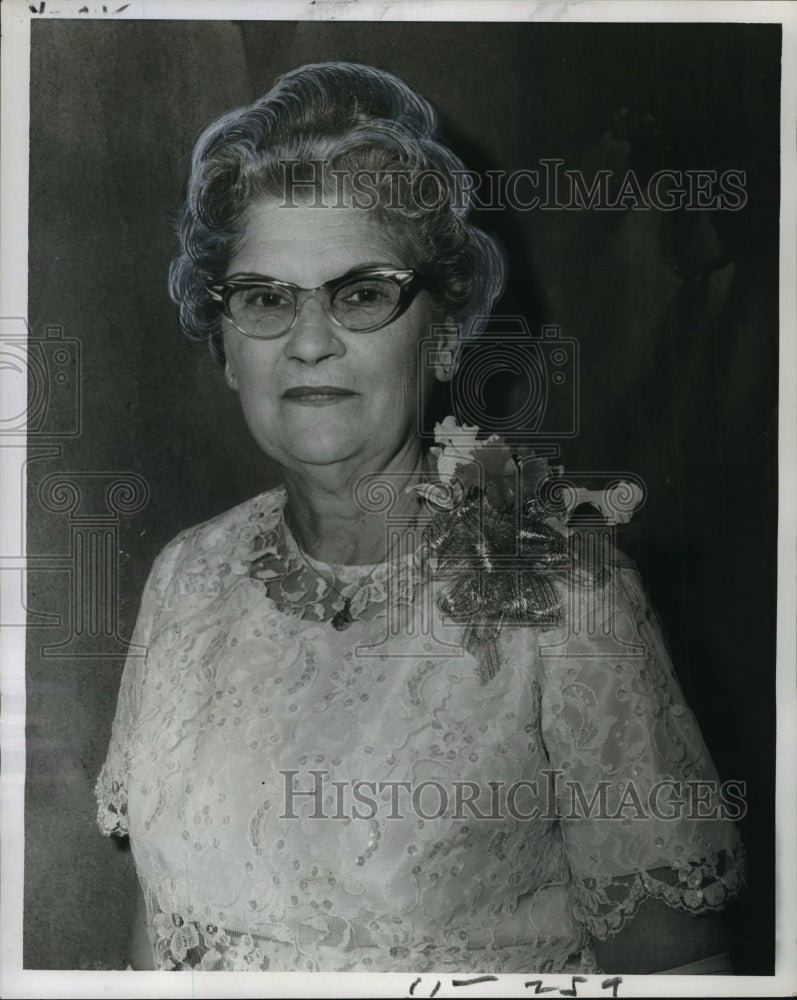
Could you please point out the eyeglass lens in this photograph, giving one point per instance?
(268, 310)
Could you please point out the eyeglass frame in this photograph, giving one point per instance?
(409, 279)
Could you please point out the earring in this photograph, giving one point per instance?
(446, 362)
(447, 371)
(231, 378)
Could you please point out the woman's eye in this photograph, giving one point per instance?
(363, 294)
(266, 299)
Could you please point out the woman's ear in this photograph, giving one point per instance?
(446, 351)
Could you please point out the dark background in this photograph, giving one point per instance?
(675, 315)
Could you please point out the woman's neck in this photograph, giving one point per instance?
(328, 518)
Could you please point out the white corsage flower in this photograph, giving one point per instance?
(462, 462)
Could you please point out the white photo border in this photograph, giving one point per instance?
(17, 16)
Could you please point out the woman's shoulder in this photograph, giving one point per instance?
(604, 604)
(228, 538)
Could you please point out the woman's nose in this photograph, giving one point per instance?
(313, 335)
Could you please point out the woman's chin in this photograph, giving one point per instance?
(321, 457)
(316, 449)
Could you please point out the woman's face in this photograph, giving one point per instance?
(371, 419)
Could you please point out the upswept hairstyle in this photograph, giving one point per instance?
(344, 117)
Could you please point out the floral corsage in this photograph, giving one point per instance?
(499, 531)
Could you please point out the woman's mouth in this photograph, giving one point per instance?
(318, 395)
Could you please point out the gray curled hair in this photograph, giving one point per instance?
(350, 119)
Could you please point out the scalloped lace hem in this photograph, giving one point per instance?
(700, 888)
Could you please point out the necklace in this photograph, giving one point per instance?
(343, 617)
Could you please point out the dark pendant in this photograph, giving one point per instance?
(343, 618)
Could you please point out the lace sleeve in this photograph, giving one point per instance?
(111, 787)
(643, 813)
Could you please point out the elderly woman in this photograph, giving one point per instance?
(323, 762)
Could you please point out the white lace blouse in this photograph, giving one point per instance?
(303, 798)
